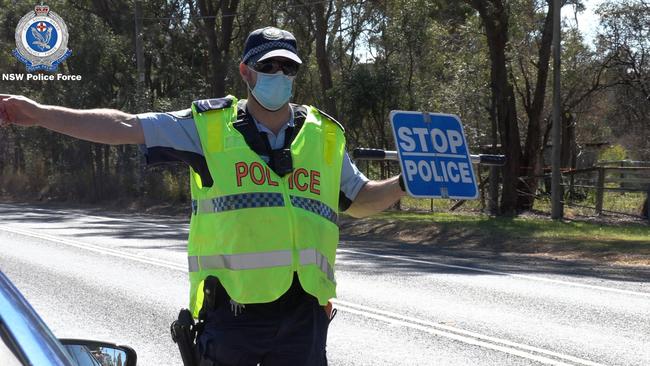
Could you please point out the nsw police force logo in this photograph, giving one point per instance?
(41, 40)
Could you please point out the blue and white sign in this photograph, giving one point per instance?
(433, 154)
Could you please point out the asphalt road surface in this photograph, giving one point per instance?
(123, 278)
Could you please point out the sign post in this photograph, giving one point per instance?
(433, 155)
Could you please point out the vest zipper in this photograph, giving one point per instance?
(295, 262)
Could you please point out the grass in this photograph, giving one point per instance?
(617, 237)
(619, 243)
(423, 204)
(622, 202)
(530, 227)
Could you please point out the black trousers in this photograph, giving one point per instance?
(291, 331)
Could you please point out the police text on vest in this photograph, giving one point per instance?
(259, 174)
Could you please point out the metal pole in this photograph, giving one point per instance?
(556, 188)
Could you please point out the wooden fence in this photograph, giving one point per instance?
(610, 178)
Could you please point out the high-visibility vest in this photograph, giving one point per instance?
(253, 229)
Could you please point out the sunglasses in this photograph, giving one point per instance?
(273, 66)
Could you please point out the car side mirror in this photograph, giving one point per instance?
(94, 353)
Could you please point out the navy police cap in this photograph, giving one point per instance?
(269, 42)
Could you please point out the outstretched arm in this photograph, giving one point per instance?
(107, 126)
(376, 196)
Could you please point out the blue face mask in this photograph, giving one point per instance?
(272, 91)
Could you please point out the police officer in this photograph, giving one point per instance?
(268, 179)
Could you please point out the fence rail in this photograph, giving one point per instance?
(625, 179)
(600, 179)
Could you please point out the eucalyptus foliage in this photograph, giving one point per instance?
(482, 60)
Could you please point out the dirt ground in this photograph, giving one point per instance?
(449, 238)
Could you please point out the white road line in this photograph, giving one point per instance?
(406, 259)
(456, 337)
(130, 221)
(457, 334)
(96, 248)
(528, 277)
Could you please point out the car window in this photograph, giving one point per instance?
(24, 332)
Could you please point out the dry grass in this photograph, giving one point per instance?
(620, 243)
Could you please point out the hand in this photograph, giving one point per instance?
(18, 110)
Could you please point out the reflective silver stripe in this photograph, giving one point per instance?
(193, 263)
(237, 202)
(260, 260)
(315, 206)
(313, 256)
(240, 261)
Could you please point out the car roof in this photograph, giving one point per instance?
(37, 345)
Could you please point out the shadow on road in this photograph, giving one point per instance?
(450, 248)
(95, 223)
(489, 259)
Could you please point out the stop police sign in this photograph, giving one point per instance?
(433, 154)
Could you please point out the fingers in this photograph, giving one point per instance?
(12, 108)
(4, 117)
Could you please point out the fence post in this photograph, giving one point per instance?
(600, 189)
(646, 207)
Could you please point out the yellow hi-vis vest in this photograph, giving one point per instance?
(253, 229)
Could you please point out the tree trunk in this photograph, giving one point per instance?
(493, 202)
(218, 40)
(495, 19)
(19, 157)
(532, 158)
(98, 171)
(322, 58)
(568, 148)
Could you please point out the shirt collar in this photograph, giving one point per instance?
(289, 123)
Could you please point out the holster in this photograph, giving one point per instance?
(185, 332)
(214, 295)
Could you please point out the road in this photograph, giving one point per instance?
(123, 278)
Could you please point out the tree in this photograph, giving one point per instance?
(322, 16)
(624, 39)
(495, 16)
(217, 25)
(532, 92)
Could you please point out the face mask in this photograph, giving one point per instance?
(272, 91)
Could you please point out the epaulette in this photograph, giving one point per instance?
(205, 105)
(182, 114)
(332, 119)
(299, 111)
